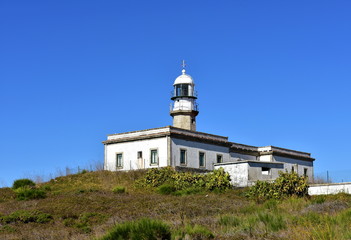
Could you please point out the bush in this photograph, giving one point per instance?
(142, 229)
(287, 184)
(166, 189)
(23, 183)
(119, 189)
(218, 180)
(26, 193)
(26, 217)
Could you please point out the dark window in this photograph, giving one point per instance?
(153, 156)
(266, 171)
(182, 90)
(140, 154)
(305, 172)
(185, 89)
(201, 159)
(219, 158)
(292, 169)
(119, 160)
(182, 156)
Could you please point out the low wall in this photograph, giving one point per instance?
(331, 188)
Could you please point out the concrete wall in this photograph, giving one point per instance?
(246, 173)
(256, 173)
(238, 173)
(192, 151)
(130, 150)
(299, 165)
(241, 156)
(332, 188)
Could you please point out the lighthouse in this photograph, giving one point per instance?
(184, 108)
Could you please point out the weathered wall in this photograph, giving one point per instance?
(332, 188)
(184, 121)
(299, 165)
(255, 171)
(238, 173)
(130, 150)
(193, 148)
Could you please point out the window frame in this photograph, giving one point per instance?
(139, 154)
(204, 160)
(156, 161)
(185, 157)
(119, 166)
(221, 156)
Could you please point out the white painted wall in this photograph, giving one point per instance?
(130, 150)
(266, 158)
(332, 188)
(184, 104)
(193, 149)
(238, 173)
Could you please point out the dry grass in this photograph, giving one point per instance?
(84, 206)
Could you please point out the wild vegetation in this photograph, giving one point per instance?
(94, 205)
(286, 185)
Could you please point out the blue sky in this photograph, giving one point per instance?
(267, 73)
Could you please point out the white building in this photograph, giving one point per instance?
(181, 145)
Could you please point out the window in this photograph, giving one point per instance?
(266, 171)
(219, 158)
(182, 90)
(119, 160)
(292, 169)
(182, 156)
(305, 172)
(201, 159)
(153, 156)
(140, 154)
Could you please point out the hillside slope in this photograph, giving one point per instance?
(83, 206)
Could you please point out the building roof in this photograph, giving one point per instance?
(205, 138)
(184, 79)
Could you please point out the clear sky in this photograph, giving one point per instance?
(267, 73)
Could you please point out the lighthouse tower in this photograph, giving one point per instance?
(184, 107)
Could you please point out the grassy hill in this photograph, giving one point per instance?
(84, 206)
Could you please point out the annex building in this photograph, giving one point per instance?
(181, 145)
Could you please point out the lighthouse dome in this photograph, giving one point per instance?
(184, 79)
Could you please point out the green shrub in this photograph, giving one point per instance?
(26, 193)
(287, 184)
(23, 183)
(142, 229)
(155, 177)
(119, 189)
(166, 189)
(218, 180)
(24, 216)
